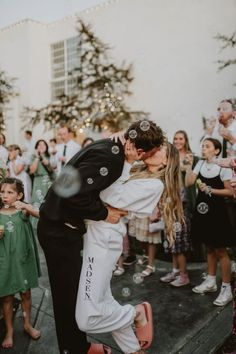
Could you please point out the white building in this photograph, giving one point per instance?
(170, 43)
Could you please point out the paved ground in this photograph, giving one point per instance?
(184, 322)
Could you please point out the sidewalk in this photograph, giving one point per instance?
(184, 322)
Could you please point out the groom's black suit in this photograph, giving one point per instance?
(62, 244)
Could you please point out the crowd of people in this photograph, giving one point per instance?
(134, 186)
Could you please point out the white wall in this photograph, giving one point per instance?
(170, 43)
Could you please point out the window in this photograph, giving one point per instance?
(64, 58)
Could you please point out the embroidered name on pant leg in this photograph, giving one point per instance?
(88, 277)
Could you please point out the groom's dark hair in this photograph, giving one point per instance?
(147, 139)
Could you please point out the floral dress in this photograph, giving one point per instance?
(19, 261)
(41, 184)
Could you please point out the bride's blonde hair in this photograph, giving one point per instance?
(170, 203)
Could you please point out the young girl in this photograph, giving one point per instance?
(211, 223)
(18, 256)
(96, 310)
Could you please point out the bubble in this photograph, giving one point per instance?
(115, 149)
(68, 182)
(144, 125)
(202, 208)
(89, 180)
(168, 200)
(138, 278)
(177, 227)
(126, 292)
(26, 281)
(165, 244)
(103, 171)
(133, 134)
(6, 206)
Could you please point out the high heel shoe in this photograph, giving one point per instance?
(148, 271)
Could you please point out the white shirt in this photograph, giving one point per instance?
(71, 149)
(211, 170)
(138, 196)
(216, 135)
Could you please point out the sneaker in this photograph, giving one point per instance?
(129, 260)
(169, 277)
(180, 280)
(148, 271)
(119, 271)
(224, 297)
(205, 287)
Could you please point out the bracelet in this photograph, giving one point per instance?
(208, 190)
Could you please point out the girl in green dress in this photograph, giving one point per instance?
(19, 262)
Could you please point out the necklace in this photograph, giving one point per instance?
(209, 165)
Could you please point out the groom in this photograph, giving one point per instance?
(61, 224)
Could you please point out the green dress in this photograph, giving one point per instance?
(41, 184)
(19, 261)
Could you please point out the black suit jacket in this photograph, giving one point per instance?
(86, 204)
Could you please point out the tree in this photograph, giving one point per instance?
(6, 92)
(99, 90)
(227, 42)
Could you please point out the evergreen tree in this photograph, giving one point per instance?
(99, 90)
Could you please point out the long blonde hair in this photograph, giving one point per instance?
(170, 203)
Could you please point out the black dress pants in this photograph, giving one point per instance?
(62, 248)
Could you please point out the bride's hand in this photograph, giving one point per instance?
(118, 136)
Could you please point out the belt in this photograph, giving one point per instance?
(71, 226)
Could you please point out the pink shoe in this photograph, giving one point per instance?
(180, 280)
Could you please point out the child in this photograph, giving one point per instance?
(18, 254)
(211, 223)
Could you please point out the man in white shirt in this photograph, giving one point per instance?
(67, 149)
(225, 128)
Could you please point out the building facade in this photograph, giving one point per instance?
(171, 45)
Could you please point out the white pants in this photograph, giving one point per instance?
(96, 309)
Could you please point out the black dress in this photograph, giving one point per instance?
(211, 224)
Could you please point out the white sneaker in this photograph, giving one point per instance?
(205, 287)
(119, 271)
(224, 297)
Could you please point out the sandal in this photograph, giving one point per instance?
(119, 271)
(145, 333)
(142, 260)
(96, 348)
(148, 271)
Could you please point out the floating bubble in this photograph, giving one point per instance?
(115, 149)
(68, 182)
(6, 206)
(138, 278)
(144, 125)
(103, 171)
(165, 244)
(168, 200)
(177, 227)
(133, 134)
(126, 292)
(202, 208)
(89, 180)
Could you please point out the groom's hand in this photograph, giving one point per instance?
(114, 214)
